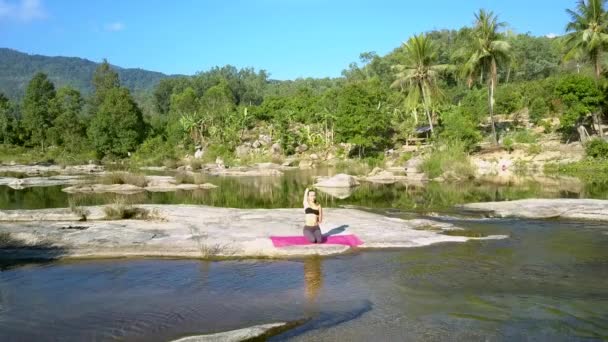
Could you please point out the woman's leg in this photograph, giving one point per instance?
(308, 233)
(318, 235)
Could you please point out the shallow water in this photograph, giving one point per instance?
(286, 192)
(547, 281)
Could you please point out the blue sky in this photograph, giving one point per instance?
(288, 38)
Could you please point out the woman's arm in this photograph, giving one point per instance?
(320, 214)
(305, 202)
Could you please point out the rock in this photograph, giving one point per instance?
(244, 334)
(589, 209)
(22, 183)
(340, 193)
(167, 187)
(198, 154)
(242, 151)
(256, 144)
(305, 164)
(246, 172)
(302, 148)
(153, 168)
(412, 166)
(264, 139)
(330, 155)
(383, 177)
(276, 148)
(375, 171)
(219, 162)
(99, 188)
(268, 166)
(340, 180)
(184, 168)
(289, 162)
(314, 156)
(190, 231)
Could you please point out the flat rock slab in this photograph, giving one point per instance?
(588, 209)
(203, 232)
(244, 334)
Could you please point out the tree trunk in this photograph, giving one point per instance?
(426, 109)
(492, 84)
(598, 116)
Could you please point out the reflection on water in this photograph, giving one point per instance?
(547, 281)
(286, 192)
(313, 280)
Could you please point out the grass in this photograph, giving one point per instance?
(121, 210)
(189, 178)
(451, 159)
(525, 137)
(589, 170)
(60, 156)
(124, 178)
(78, 210)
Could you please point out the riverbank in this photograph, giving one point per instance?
(188, 231)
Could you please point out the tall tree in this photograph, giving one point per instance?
(118, 126)
(104, 79)
(485, 52)
(588, 37)
(38, 115)
(69, 129)
(5, 120)
(419, 73)
(587, 32)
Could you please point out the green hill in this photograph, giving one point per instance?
(17, 68)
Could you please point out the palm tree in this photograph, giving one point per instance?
(587, 36)
(587, 33)
(486, 51)
(419, 73)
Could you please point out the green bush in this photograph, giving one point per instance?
(524, 137)
(507, 143)
(538, 110)
(597, 149)
(457, 126)
(153, 152)
(448, 158)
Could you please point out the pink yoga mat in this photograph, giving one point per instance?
(348, 240)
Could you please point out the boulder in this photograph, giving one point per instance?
(219, 162)
(256, 144)
(314, 156)
(302, 148)
(264, 139)
(242, 150)
(276, 148)
(340, 180)
(305, 164)
(198, 154)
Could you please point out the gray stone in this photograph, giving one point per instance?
(191, 231)
(589, 209)
(314, 156)
(276, 148)
(234, 335)
(340, 180)
(302, 148)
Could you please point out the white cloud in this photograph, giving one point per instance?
(551, 35)
(114, 27)
(22, 10)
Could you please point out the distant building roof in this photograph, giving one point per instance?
(423, 129)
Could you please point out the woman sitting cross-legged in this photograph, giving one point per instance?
(314, 216)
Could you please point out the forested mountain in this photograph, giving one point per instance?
(18, 68)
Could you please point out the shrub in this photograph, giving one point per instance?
(457, 126)
(189, 178)
(507, 143)
(524, 137)
(452, 158)
(124, 178)
(120, 210)
(597, 149)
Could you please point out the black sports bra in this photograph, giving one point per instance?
(310, 210)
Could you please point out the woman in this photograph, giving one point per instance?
(314, 216)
